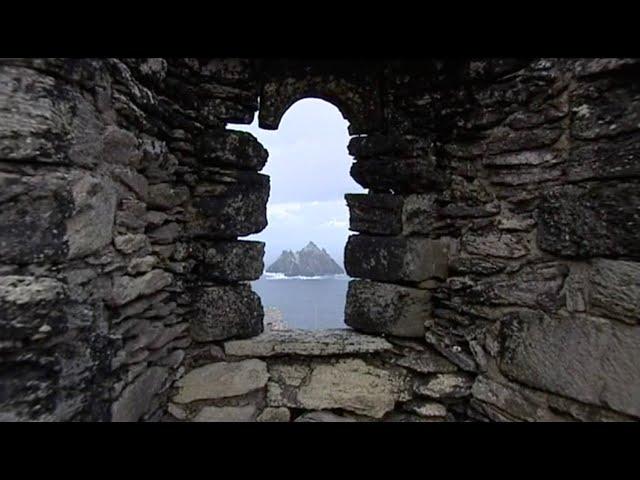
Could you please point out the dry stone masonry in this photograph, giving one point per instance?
(496, 255)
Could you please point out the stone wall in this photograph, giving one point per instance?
(495, 257)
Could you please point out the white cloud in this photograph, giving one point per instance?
(284, 211)
(334, 223)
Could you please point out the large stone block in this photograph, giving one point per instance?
(396, 259)
(307, 343)
(225, 312)
(615, 290)
(383, 308)
(410, 175)
(229, 261)
(135, 400)
(30, 305)
(57, 216)
(379, 214)
(588, 359)
(126, 288)
(231, 210)
(221, 380)
(349, 384)
(605, 108)
(45, 120)
(233, 148)
(616, 158)
(597, 220)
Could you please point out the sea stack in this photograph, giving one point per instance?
(311, 261)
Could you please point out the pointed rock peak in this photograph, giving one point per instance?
(311, 246)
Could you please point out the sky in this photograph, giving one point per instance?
(309, 169)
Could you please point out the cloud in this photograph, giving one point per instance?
(284, 211)
(334, 223)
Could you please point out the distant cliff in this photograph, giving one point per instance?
(311, 261)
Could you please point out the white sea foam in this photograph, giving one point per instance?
(282, 276)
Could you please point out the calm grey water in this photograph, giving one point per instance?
(310, 303)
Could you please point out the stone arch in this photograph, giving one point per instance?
(356, 97)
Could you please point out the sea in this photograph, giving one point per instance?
(310, 303)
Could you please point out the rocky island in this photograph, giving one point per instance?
(311, 261)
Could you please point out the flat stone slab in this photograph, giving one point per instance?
(348, 384)
(307, 342)
(222, 380)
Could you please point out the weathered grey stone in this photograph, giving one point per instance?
(164, 196)
(597, 220)
(135, 400)
(226, 414)
(496, 244)
(321, 416)
(225, 312)
(131, 243)
(604, 108)
(350, 384)
(396, 259)
(126, 289)
(230, 210)
(616, 158)
(504, 400)
(537, 286)
(142, 265)
(279, 414)
(426, 408)
(165, 234)
(221, 380)
(580, 357)
(230, 261)
(90, 227)
(307, 343)
(385, 308)
(445, 385)
(615, 290)
(425, 361)
(233, 148)
(379, 214)
(30, 305)
(406, 175)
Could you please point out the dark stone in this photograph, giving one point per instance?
(229, 261)
(233, 148)
(580, 357)
(596, 220)
(226, 312)
(382, 308)
(410, 175)
(376, 214)
(238, 209)
(396, 259)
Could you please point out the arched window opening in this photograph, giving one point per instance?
(304, 284)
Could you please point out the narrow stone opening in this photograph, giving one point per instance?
(304, 284)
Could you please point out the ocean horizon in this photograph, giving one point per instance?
(309, 303)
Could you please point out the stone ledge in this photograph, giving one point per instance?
(308, 343)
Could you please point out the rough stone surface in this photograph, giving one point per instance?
(565, 355)
(133, 402)
(349, 384)
(231, 261)
(593, 221)
(226, 414)
(226, 312)
(396, 259)
(279, 414)
(386, 308)
(221, 380)
(615, 290)
(307, 343)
